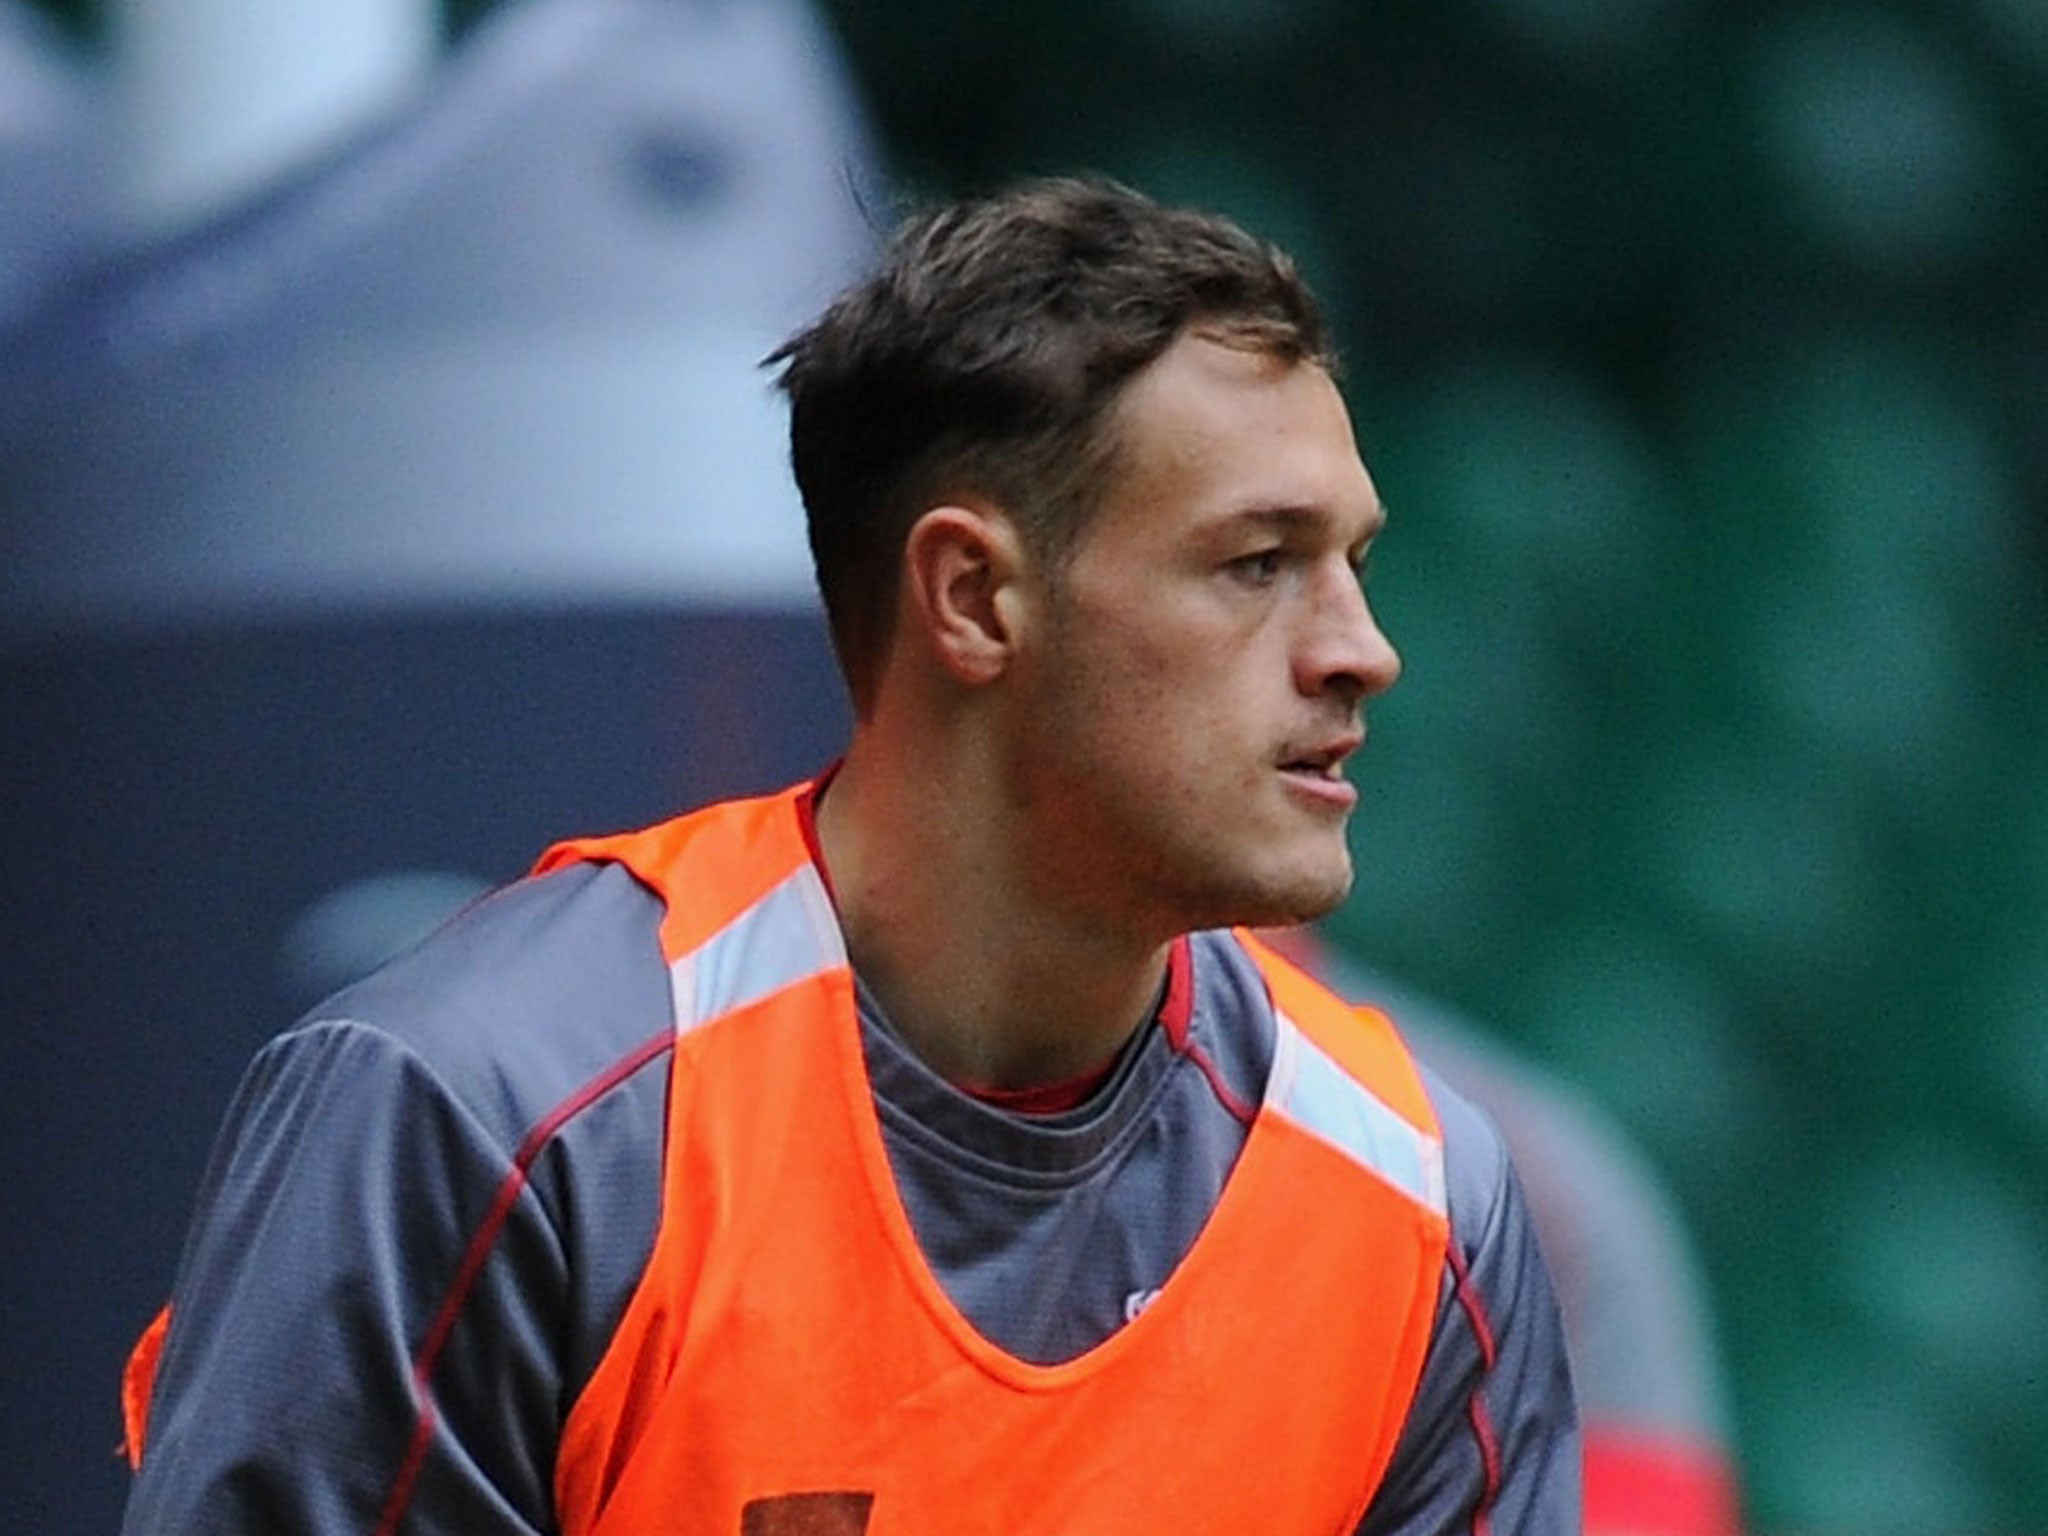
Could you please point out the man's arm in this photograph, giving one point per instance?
(417, 1236)
(363, 1322)
(1492, 1440)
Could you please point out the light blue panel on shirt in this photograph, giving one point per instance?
(788, 935)
(1322, 1097)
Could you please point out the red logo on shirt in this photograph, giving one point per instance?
(807, 1514)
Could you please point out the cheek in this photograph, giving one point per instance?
(1176, 706)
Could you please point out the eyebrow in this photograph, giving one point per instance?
(1291, 517)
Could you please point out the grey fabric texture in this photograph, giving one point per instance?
(1494, 1426)
(1045, 1230)
(368, 1147)
(361, 1155)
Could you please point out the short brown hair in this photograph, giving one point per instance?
(982, 359)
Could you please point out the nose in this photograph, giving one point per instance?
(1343, 650)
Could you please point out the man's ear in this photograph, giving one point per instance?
(961, 568)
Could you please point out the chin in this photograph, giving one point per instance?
(1310, 907)
(1290, 901)
(1319, 888)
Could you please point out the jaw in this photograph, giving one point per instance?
(1290, 875)
(1308, 869)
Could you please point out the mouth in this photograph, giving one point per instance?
(1318, 771)
(1324, 758)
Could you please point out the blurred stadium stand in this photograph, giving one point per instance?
(356, 540)
(1700, 349)
(52, 147)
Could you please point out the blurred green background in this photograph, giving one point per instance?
(1701, 353)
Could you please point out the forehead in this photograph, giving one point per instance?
(1213, 431)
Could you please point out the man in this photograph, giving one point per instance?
(918, 1150)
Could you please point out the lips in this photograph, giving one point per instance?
(1325, 760)
(1317, 772)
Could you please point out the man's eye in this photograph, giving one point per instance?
(1260, 566)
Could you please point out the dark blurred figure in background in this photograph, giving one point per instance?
(346, 575)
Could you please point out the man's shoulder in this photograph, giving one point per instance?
(1477, 1166)
(522, 998)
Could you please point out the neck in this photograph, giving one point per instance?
(988, 982)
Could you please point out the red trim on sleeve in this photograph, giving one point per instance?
(1177, 1017)
(480, 1245)
(138, 1385)
(1177, 1007)
(1240, 1110)
(1647, 1484)
(1475, 1410)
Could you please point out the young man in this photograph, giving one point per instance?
(919, 1150)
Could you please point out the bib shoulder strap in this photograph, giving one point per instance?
(709, 866)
